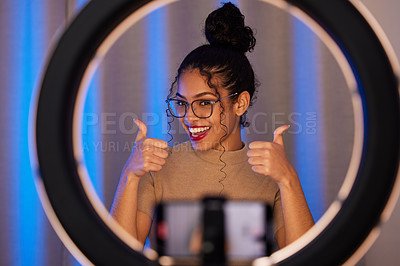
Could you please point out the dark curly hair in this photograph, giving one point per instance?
(224, 58)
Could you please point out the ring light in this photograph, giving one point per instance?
(89, 237)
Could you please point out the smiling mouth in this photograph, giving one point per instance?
(198, 133)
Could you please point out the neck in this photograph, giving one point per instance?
(233, 142)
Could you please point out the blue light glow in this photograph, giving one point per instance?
(156, 70)
(27, 56)
(307, 95)
(91, 136)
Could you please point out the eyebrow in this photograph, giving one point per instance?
(201, 94)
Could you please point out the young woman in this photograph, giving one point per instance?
(211, 94)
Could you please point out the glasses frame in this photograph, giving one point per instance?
(191, 105)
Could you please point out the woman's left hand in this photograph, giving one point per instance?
(269, 158)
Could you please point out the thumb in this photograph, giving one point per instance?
(278, 134)
(142, 129)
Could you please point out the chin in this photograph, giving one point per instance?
(201, 146)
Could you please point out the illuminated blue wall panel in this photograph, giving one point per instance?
(307, 97)
(27, 51)
(156, 86)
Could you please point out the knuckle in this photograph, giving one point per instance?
(146, 153)
(146, 166)
(163, 144)
(146, 157)
(148, 143)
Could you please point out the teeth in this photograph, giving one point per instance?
(197, 129)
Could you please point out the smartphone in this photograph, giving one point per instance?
(214, 230)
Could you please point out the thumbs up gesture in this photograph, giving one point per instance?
(148, 154)
(269, 158)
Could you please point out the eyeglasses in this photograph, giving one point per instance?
(200, 108)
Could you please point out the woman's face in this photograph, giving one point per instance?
(206, 133)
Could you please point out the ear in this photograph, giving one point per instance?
(242, 103)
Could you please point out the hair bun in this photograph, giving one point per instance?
(225, 27)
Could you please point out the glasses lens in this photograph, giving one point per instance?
(177, 108)
(202, 108)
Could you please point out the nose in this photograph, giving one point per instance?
(190, 117)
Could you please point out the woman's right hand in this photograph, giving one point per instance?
(148, 154)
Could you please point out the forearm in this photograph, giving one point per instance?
(124, 207)
(296, 214)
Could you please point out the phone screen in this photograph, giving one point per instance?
(247, 229)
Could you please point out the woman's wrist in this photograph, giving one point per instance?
(128, 177)
(290, 182)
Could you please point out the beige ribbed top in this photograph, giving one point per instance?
(190, 175)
